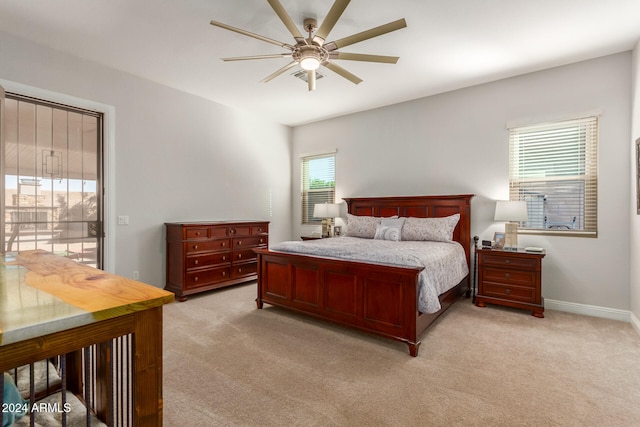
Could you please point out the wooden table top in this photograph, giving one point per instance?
(42, 293)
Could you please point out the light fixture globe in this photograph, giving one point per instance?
(310, 57)
(310, 63)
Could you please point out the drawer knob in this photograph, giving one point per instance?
(196, 262)
(507, 290)
(224, 273)
(239, 242)
(195, 279)
(261, 240)
(508, 261)
(224, 257)
(197, 233)
(195, 246)
(239, 270)
(239, 256)
(223, 244)
(507, 275)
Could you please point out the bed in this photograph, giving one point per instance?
(374, 297)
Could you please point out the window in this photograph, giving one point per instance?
(318, 184)
(51, 178)
(553, 167)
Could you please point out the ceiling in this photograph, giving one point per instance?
(447, 45)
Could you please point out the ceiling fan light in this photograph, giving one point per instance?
(310, 63)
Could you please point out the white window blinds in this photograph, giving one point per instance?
(318, 184)
(553, 167)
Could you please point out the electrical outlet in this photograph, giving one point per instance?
(123, 220)
(136, 275)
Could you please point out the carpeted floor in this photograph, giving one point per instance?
(227, 363)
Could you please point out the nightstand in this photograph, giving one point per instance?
(510, 278)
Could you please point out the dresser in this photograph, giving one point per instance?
(510, 278)
(208, 255)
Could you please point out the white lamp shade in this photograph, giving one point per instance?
(507, 210)
(333, 210)
(326, 210)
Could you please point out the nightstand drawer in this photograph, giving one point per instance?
(509, 277)
(508, 261)
(514, 293)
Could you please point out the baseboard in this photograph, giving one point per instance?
(591, 310)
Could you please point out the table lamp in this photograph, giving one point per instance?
(326, 211)
(512, 212)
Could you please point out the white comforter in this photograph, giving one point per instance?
(445, 263)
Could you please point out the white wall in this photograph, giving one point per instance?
(635, 218)
(177, 157)
(457, 142)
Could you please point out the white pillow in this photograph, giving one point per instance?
(434, 229)
(389, 229)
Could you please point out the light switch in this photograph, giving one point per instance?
(123, 220)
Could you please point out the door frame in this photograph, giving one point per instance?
(108, 156)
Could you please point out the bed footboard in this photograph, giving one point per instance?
(375, 298)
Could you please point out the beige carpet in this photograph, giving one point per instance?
(227, 363)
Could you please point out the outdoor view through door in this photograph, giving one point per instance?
(52, 179)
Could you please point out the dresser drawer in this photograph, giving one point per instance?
(210, 259)
(245, 255)
(509, 261)
(239, 230)
(246, 269)
(195, 233)
(249, 242)
(509, 277)
(208, 245)
(513, 293)
(206, 277)
(260, 229)
(218, 231)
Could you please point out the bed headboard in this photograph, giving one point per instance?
(420, 207)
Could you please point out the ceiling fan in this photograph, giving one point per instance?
(313, 51)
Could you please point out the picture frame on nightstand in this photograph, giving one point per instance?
(498, 238)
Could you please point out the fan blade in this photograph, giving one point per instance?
(243, 58)
(280, 71)
(368, 34)
(311, 79)
(364, 57)
(330, 21)
(287, 21)
(247, 33)
(344, 73)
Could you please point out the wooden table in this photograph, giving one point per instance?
(50, 305)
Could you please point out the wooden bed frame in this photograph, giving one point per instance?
(376, 298)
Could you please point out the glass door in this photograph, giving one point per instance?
(52, 179)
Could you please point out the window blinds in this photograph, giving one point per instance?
(318, 184)
(553, 167)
